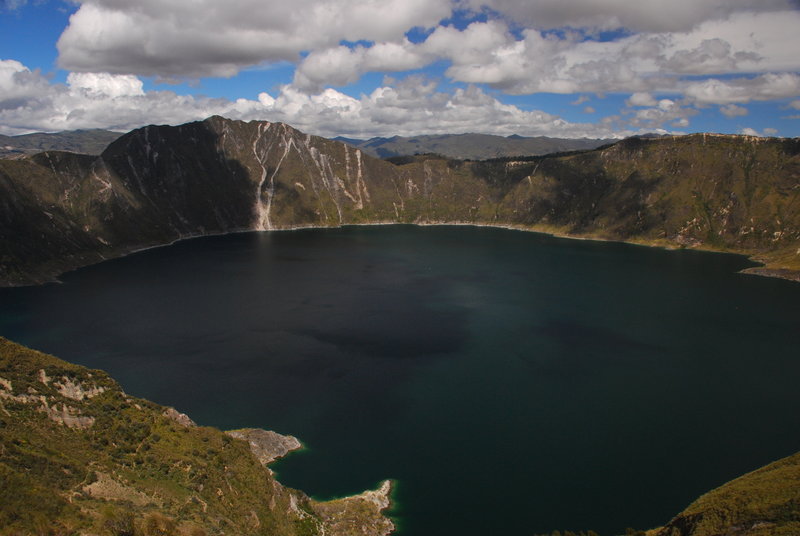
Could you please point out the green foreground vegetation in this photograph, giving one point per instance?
(79, 456)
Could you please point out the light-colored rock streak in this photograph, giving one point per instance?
(328, 178)
(360, 201)
(106, 185)
(263, 208)
(288, 143)
(259, 207)
(360, 183)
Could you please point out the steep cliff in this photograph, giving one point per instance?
(158, 184)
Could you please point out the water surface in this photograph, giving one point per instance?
(512, 383)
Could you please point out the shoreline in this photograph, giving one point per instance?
(763, 270)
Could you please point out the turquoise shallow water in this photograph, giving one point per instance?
(511, 382)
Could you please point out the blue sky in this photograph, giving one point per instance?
(362, 68)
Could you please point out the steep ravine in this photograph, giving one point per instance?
(158, 184)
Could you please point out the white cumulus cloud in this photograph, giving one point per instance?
(732, 110)
(672, 50)
(742, 90)
(413, 105)
(641, 99)
(641, 15)
(105, 84)
(747, 131)
(652, 117)
(344, 65)
(193, 38)
(539, 61)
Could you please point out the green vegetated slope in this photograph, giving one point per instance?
(765, 502)
(79, 456)
(155, 185)
(729, 193)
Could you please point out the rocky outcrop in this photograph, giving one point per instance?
(178, 417)
(50, 400)
(158, 184)
(266, 445)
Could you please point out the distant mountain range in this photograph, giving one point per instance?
(92, 141)
(471, 146)
(461, 146)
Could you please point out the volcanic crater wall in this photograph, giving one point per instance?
(158, 184)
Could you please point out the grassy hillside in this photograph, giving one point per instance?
(79, 456)
(765, 502)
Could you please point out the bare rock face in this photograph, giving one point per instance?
(266, 445)
(52, 404)
(68, 416)
(180, 418)
(75, 390)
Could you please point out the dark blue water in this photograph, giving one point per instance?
(512, 383)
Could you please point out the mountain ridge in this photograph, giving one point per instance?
(84, 141)
(159, 184)
(470, 145)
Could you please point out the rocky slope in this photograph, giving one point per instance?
(59, 211)
(79, 456)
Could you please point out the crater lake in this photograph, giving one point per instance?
(508, 382)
